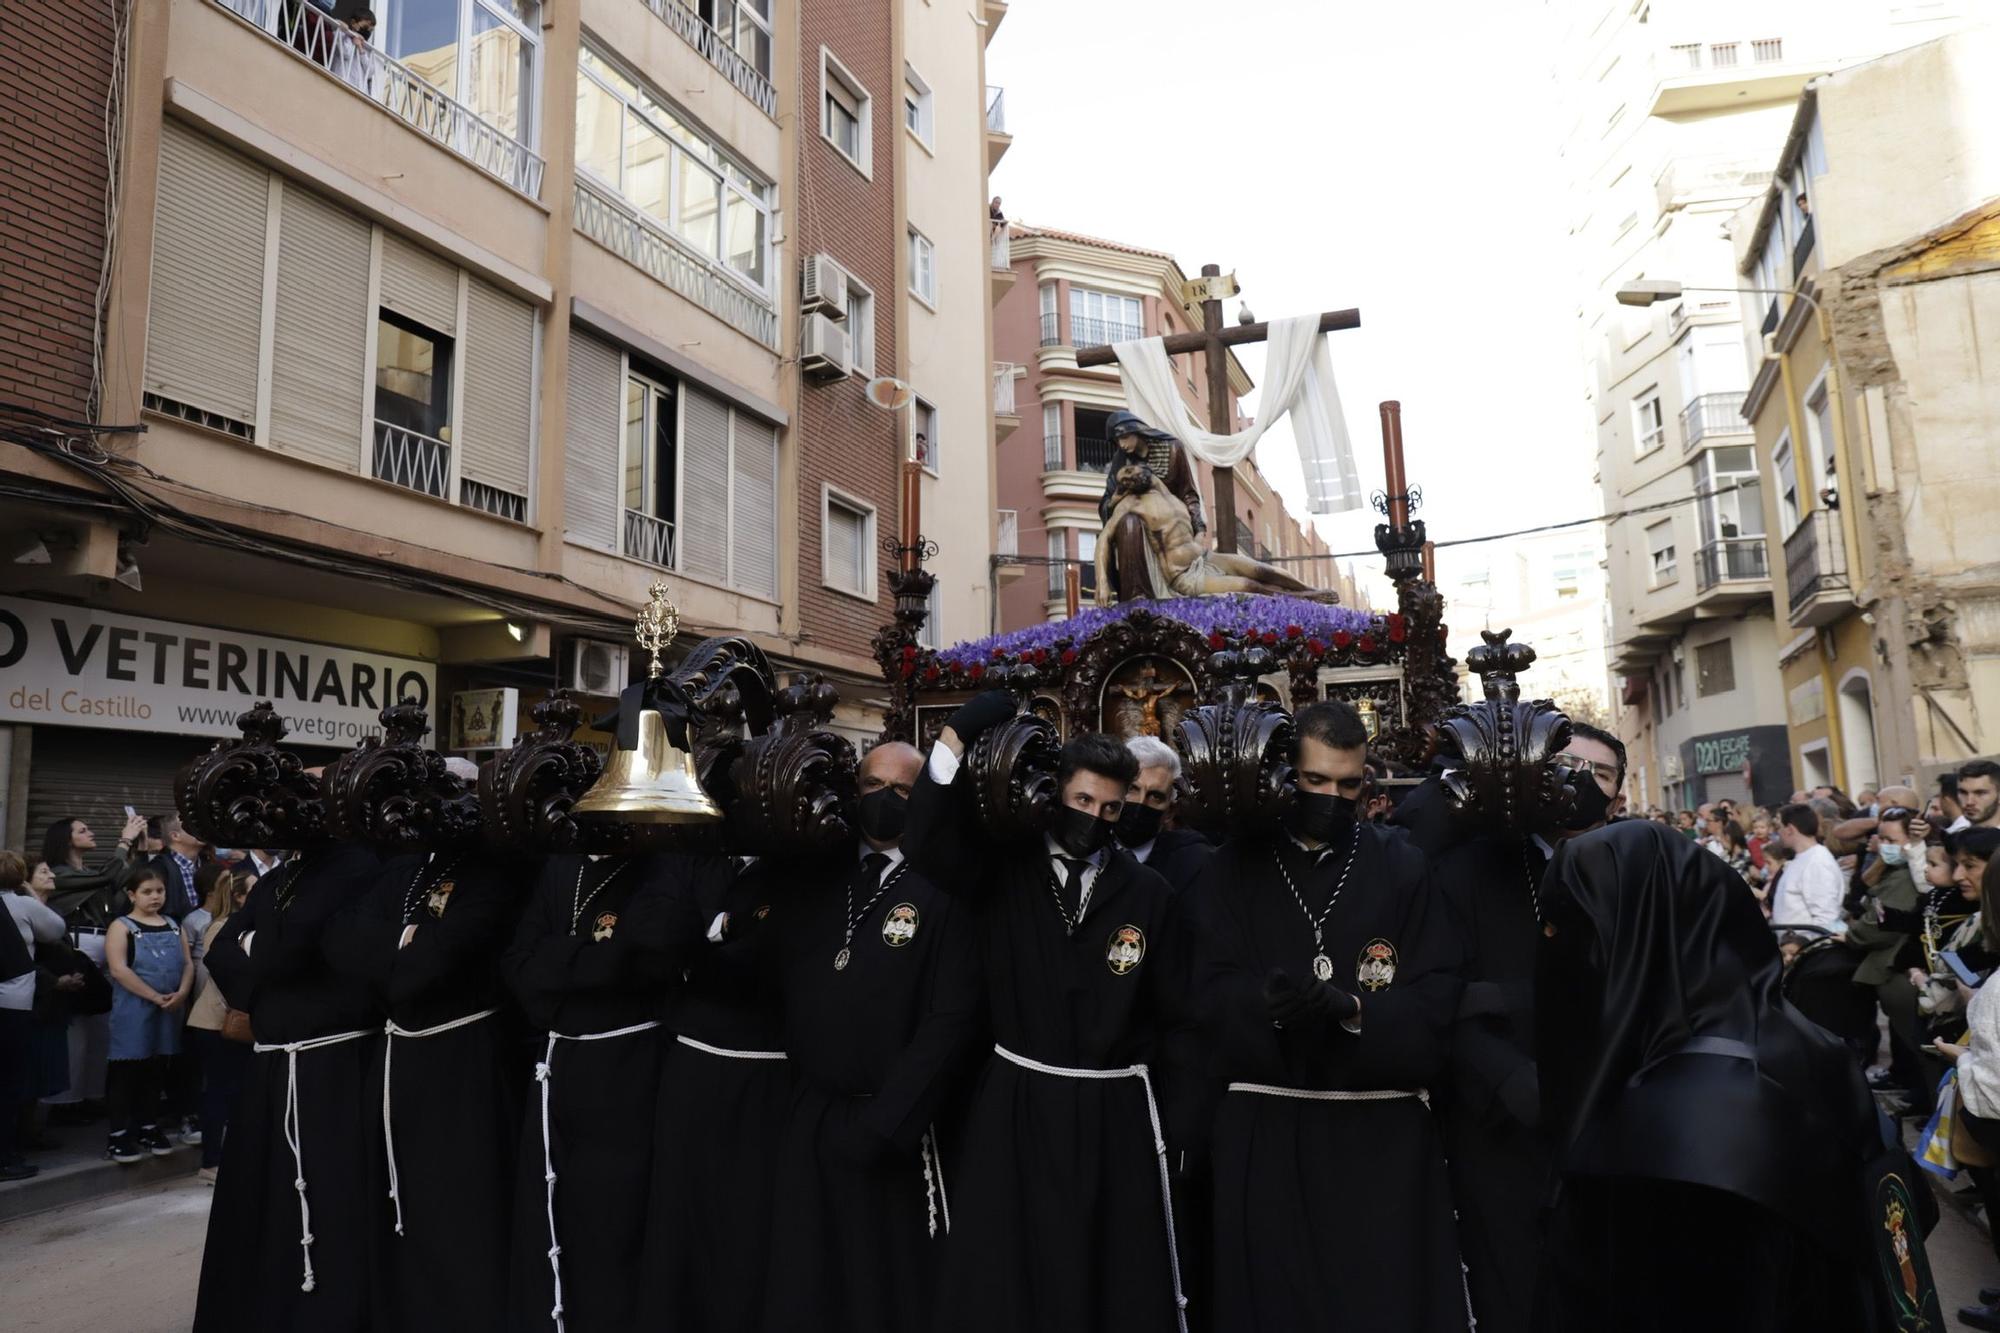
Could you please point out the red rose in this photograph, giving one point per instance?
(1041, 656)
(974, 672)
(931, 674)
(1367, 644)
(909, 652)
(1315, 647)
(1216, 641)
(909, 669)
(1342, 639)
(1294, 632)
(1398, 629)
(1270, 637)
(999, 654)
(1026, 659)
(1069, 657)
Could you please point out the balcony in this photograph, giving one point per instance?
(717, 51)
(1732, 560)
(1706, 76)
(1712, 414)
(1096, 332)
(316, 37)
(1094, 454)
(1816, 580)
(1802, 251)
(649, 539)
(998, 141)
(412, 460)
(1006, 412)
(999, 260)
(619, 228)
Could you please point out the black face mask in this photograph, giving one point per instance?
(882, 814)
(1139, 823)
(1591, 802)
(1320, 817)
(1079, 832)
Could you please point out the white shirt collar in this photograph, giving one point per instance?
(1144, 851)
(895, 854)
(1542, 846)
(1056, 853)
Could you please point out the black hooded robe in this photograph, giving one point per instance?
(1058, 1223)
(1714, 1148)
(441, 1242)
(253, 1271)
(591, 956)
(863, 1208)
(1329, 1213)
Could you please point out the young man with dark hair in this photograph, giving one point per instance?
(1947, 799)
(1811, 890)
(1979, 793)
(1059, 1207)
(1324, 981)
(1604, 755)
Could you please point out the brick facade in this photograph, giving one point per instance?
(843, 441)
(56, 58)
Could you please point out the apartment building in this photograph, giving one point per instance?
(1873, 404)
(447, 343)
(1548, 588)
(1673, 112)
(1061, 292)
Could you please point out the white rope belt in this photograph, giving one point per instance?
(1141, 1073)
(395, 1029)
(728, 1054)
(543, 1076)
(291, 1050)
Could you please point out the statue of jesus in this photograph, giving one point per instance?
(1137, 444)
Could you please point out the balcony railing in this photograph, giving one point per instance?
(1731, 560)
(996, 110)
(1767, 50)
(1802, 250)
(411, 459)
(717, 51)
(649, 539)
(1100, 332)
(315, 36)
(1003, 389)
(1001, 251)
(503, 504)
(619, 228)
(1051, 329)
(1052, 453)
(1815, 559)
(1008, 539)
(1712, 414)
(1094, 454)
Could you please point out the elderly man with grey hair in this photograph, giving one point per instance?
(1178, 854)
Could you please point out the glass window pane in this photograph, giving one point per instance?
(605, 71)
(635, 445)
(754, 45)
(423, 34)
(412, 379)
(746, 238)
(647, 158)
(666, 455)
(598, 130)
(528, 13)
(701, 206)
(501, 86)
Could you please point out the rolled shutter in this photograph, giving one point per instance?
(318, 360)
(754, 515)
(499, 407)
(590, 454)
(417, 285)
(704, 534)
(204, 323)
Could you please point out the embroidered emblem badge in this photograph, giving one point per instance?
(600, 929)
(440, 897)
(1376, 967)
(1125, 950)
(1905, 1266)
(899, 927)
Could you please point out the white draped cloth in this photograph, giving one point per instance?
(1298, 382)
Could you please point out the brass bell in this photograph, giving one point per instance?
(654, 783)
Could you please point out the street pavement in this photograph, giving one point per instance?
(128, 1262)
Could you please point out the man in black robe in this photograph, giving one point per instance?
(1178, 854)
(297, 1189)
(427, 940)
(880, 977)
(1059, 1212)
(1325, 980)
(600, 940)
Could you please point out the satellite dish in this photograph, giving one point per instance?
(889, 393)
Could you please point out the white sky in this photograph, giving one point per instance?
(1399, 158)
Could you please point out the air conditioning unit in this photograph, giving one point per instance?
(599, 668)
(823, 288)
(823, 351)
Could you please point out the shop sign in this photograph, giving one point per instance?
(1722, 754)
(75, 666)
(484, 719)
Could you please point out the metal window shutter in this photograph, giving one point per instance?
(846, 561)
(81, 773)
(319, 354)
(590, 454)
(497, 414)
(754, 535)
(418, 285)
(704, 530)
(203, 327)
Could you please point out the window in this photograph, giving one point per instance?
(844, 116)
(1649, 421)
(1052, 439)
(918, 106)
(1567, 571)
(1785, 467)
(1660, 549)
(860, 328)
(651, 471)
(482, 52)
(924, 435)
(1086, 558)
(745, 25)
(923, 267)
(1714, 668)
(1819, 424)
(1051, 321)
(1097, 318)
(632, 141)
(848, 548)
(1728, 514)
(412, 377)
(932, 634)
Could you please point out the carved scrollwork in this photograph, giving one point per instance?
(1430, 676)
(1013, 775)
(729, 683)
(1236, 753)
(1140, 634)
(250, 793)
(1501, 752)
(792, 785)
(525, 795)
(392, 792)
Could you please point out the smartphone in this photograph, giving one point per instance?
(1960, 970)
(130, 814)
(1929, 1048)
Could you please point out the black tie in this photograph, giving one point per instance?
(872, 866)
(1073, 885)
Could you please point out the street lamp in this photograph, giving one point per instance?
(1646, 292)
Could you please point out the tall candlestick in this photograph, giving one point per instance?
(1430, 562)
(1073, 588)
(910, 514)
(1392, 464)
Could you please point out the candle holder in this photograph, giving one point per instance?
(1401, 544)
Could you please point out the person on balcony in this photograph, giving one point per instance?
(1132, 573)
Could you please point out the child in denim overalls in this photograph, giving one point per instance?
(148, 958)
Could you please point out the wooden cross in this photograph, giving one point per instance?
(1212, 342)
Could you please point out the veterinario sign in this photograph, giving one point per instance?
(77, 667)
